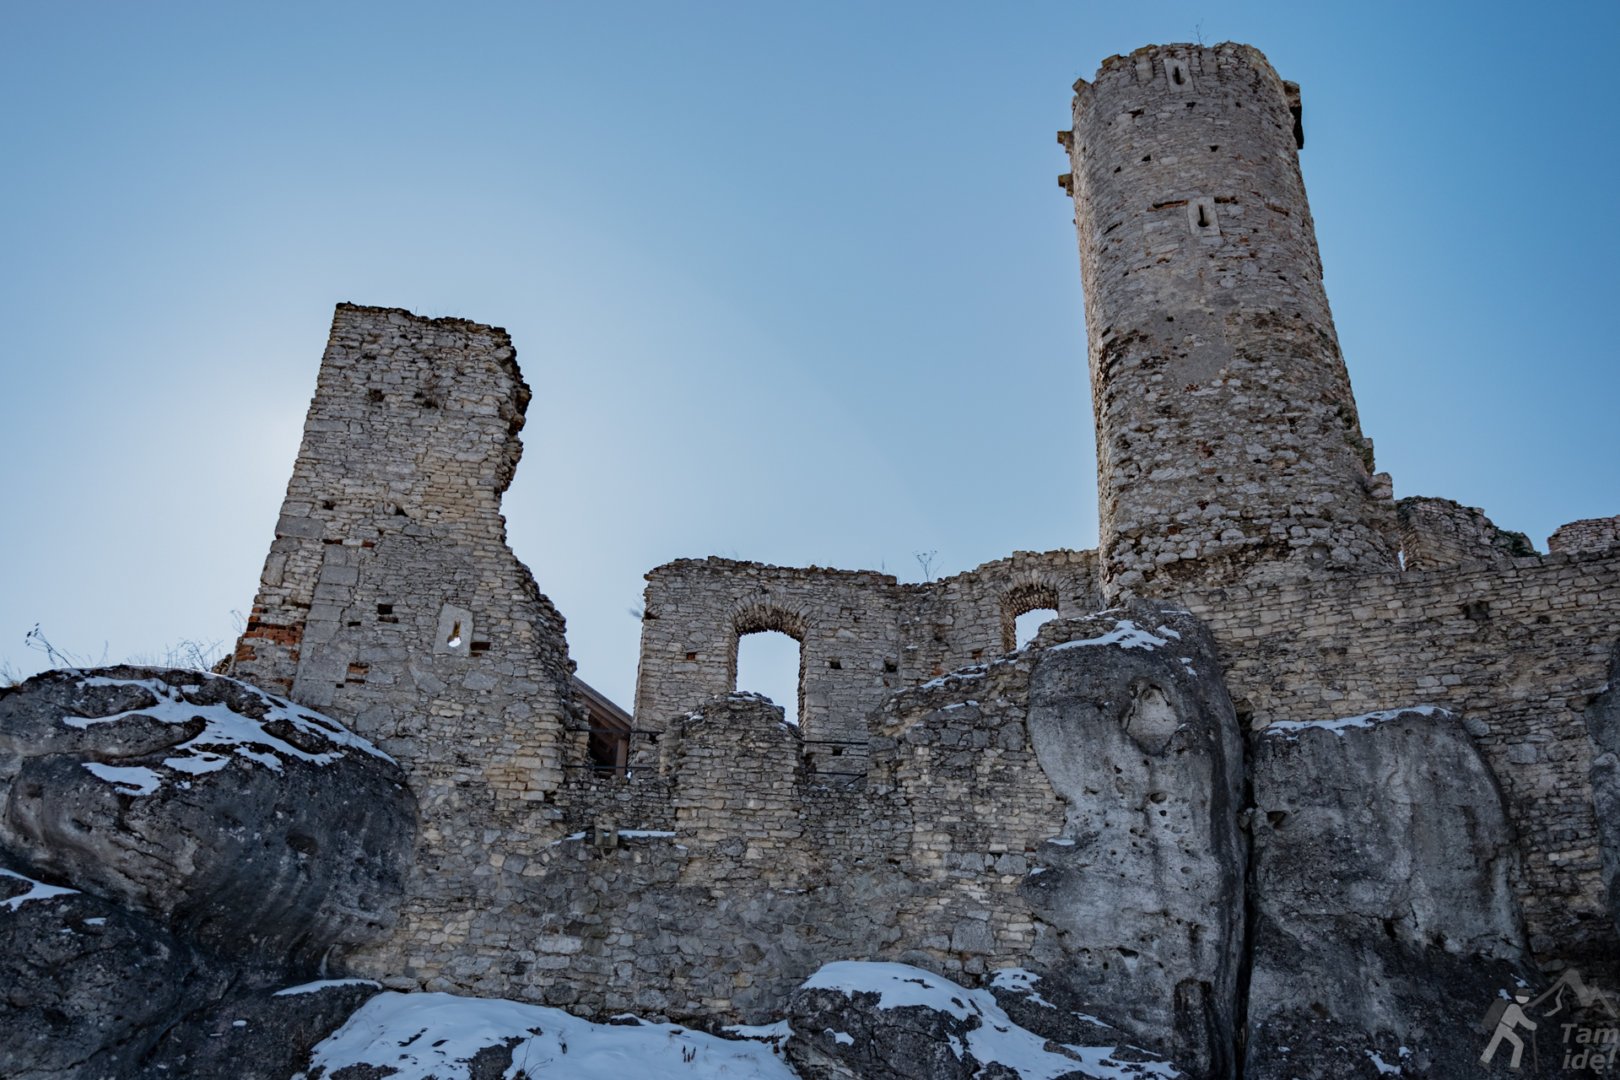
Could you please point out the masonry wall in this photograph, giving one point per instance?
(1228, 443)
(862, 635)
(739, 869)
(390, 599)
(1438, 533)
(1590, 534)
(1518, 649)
(743, 872)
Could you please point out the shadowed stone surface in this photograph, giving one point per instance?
(1384, 918)
(1603, 726)
(1132, 725)
(258, 830)
(260, 1035)
(86, 988)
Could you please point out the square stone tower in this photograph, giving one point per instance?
(390, 600)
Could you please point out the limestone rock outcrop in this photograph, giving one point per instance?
(258, 829)
(1385, 925)
(87, 987)
(173, 842)
(1133, 727)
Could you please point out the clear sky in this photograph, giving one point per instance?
(792, 283)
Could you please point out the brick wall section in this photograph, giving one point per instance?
(1228, 442)
(863, 635)
(390, 599)
(1589, 535)
(1440, 532)
(1519, 650)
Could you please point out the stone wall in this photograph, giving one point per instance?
(733, 871)
(1228, 443)
(1520, 650)
(1441, 532)
(862, 634)
(390, 598)
(1591, 534)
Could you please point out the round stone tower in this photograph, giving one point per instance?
(1228, 446)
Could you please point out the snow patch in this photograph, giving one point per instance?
(226, 734)
(322, 984)
(128, 779)
(764, 1032)
(38, 891)
(1290, 729)
(995, 1039)
(549, 1042)
(978, 671)
(1384, 1068)
(1125, 634)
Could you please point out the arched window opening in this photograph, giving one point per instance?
(769, 662)
(1030, 621)
(1023, 609)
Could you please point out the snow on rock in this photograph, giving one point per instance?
(844, 1017)
(233, 816)
(29, 890)
(228, 732)
(323, 984)
(418, 1036)
(1291, 729)
(1125, 634)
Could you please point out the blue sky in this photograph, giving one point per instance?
(792, 283)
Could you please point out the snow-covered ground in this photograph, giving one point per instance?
(437, 1035)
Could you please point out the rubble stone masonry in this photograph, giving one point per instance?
(390, 599)
(1228, 446)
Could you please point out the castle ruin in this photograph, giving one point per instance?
(726, 855)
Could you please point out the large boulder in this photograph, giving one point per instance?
(1385, 927)
(86, 987)
(1131, 722)
(260, 1034)
(258, 830)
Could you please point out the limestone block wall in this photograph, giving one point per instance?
(1520, 650)
(970, 617)
(1440, 532)
(390, 599)
(1588, 535)
(734, 871)
(1228, 442)
(846, 622)
(747, 872)
(862, 634)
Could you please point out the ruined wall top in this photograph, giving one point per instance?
(1586, 536)
(862, 634)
